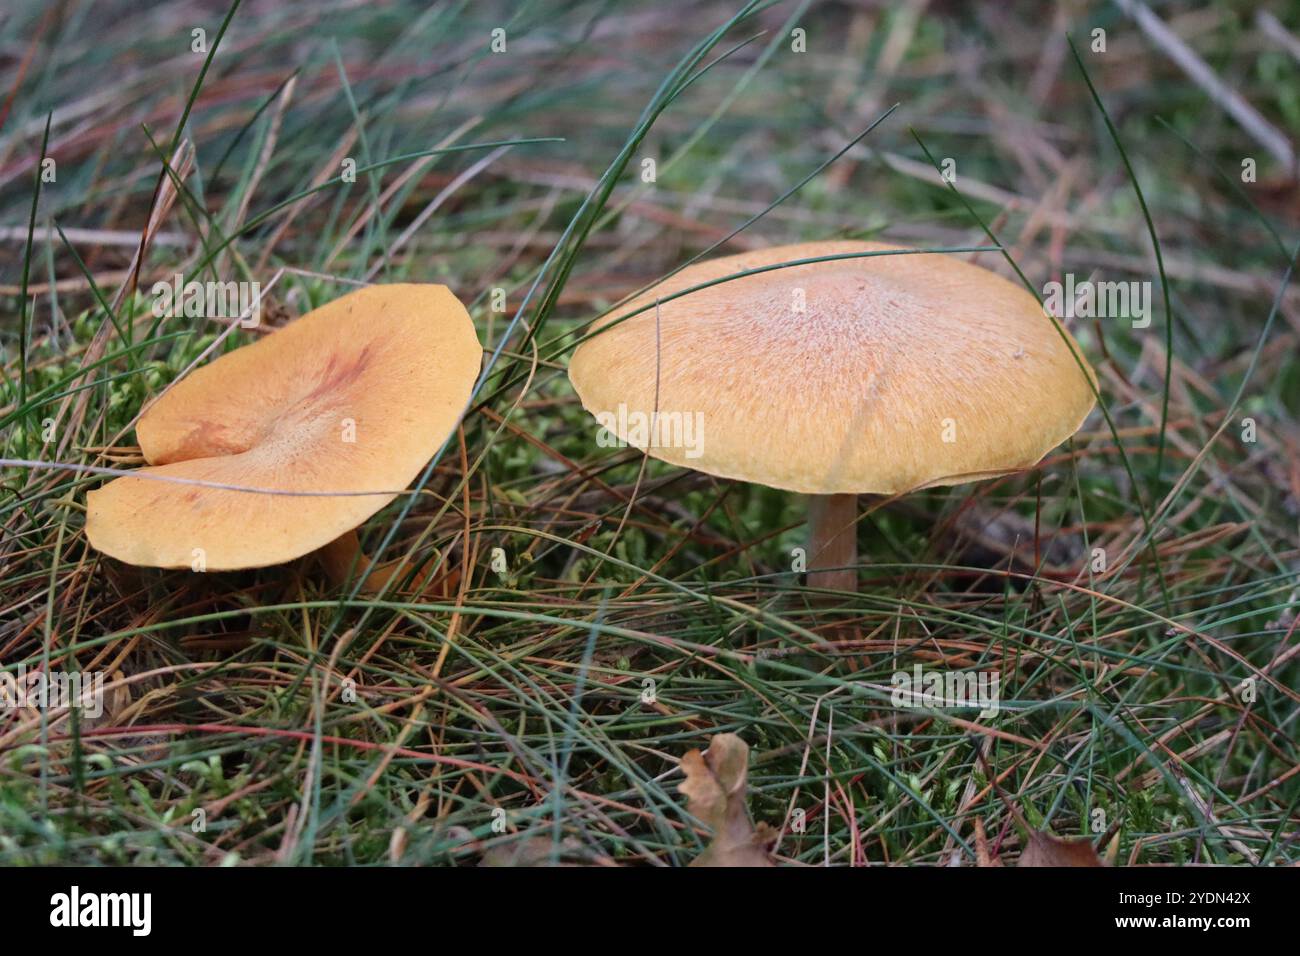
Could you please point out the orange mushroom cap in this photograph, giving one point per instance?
(875, 374)
(338, 411)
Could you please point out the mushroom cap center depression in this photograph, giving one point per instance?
(309, 413)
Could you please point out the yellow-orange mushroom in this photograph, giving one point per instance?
(328, 418)
(878, 374)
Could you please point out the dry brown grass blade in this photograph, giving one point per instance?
(984, 857)
(182, 164)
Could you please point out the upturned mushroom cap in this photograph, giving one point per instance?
(863, 375)
(354, 397)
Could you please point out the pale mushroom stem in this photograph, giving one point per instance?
(833, 542)
(343, 557)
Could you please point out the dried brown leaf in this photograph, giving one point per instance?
(715, 788)
(1047, 849)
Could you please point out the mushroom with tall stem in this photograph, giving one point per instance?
(835, 369)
